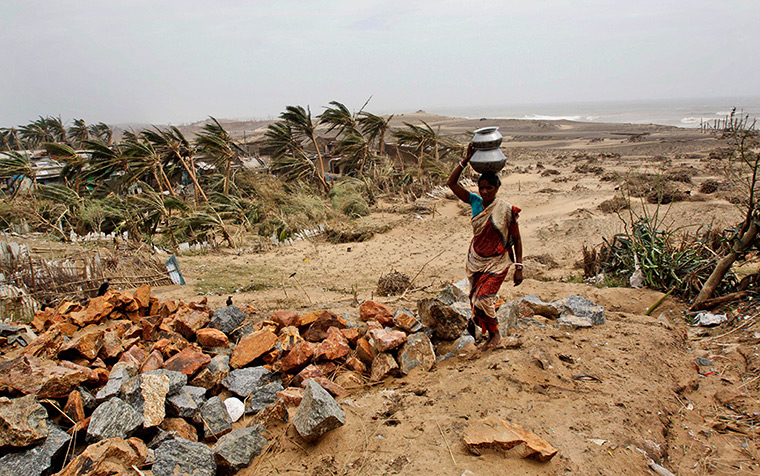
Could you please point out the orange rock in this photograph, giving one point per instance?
(356, 365)
(332, 348)
(168, 308)
(181, 426)
(310, 371)
(251, 347)
(98, 308)
(134, 354)
(298, 357)
(307, 319)
(155, 306)
(74, 407)
(383, 366)
(208, 337)
(493, 432)
(112, 456)
(188, 323)
(68, 329)
(272, 356)
(351, 334)
(79, 427)
(142, 296)
(153, 361)
(333, 333)
(43, 378)
(285, 318)
(289, 337)
(375, 311)
(189, 361)
(112, 347)
(87, 344)
(45, 345)
(364, 351)
(406, 321)
(317, 331)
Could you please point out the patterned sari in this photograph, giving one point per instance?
(489, 259)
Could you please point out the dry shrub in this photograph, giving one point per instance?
(682, 174)
(588, 169)
(549, 172)
(344, 233)
(393, 283)
(667, 195)
(562, 179)
(544, 259)
(709, 186)
(614, 205)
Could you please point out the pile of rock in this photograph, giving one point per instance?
(140, 383)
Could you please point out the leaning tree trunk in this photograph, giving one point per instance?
(724, 265)
(321, 165)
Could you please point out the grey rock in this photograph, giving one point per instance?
(415, 326)
(88, 400)
(579, 306)
(8, 330)
(214, 418)
(244, 381)
(525, 322)
(113, 419)
(177, 380)
(575, 322)
(131, 392)
(36, 461)
(182, 457)
(451, 294)
(262, 397)
(507, 317)
(23, 422)
(537, 306)
(242, 331)
(463, 341)
(447, 323)
(186, 402)
(227, 319)
(120, 373)
(236, 450)
(417, 352)
(318, 413)
(445, 356)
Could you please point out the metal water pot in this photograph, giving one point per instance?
(487, 156)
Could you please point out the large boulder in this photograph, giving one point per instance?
(451, 294)
(318, 413)
(418, 352)
(446, 322)
(534, 305)
(236, 450)
(179, 457)
(579, 306)
(22, 422)
(38, 460)
(507, 316)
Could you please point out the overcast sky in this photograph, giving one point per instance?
(180, 61)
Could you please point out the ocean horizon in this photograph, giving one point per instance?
(669, 112)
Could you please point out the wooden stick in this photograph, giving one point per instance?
(447, 442)
(715, 302)
(659, 301)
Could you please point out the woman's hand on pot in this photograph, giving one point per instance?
(468, 154)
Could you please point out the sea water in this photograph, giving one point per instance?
(671, 112)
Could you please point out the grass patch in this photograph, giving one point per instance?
(230, 278)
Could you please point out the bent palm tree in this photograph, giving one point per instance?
(215, 142)
(78, 133)
(375, 127)
(174, 147)
(299, 119)
(339, 117)
(15, 166)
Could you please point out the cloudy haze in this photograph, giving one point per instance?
(180, 61)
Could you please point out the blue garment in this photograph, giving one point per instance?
(476, 203)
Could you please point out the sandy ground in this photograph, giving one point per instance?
(646, 399)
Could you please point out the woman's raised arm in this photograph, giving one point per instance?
(453, 181)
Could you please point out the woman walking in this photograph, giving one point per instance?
(495, 245)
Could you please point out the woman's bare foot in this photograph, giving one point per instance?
(492, 341)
